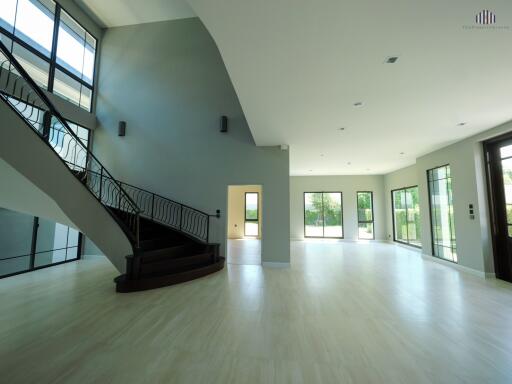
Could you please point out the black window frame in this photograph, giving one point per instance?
(393, 217)
(323, 219)
(372, 222)
(257, 220)
(453, 237)
(33, 251)
(52, 58)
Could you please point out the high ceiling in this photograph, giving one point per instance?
(299, 66)
(116, 13)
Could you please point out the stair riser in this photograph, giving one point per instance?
(175, 265)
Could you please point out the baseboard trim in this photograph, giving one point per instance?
(271, 264)
(462, 268)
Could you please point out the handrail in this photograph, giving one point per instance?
(161, 209)
(26, 98)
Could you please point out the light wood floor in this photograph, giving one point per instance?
(343, 313)
(244, 251)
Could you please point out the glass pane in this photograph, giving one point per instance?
(71, 45)
(90, 56)
(73, 237)
(34, 23)
(50, 257)
(313, 215)
(86, 98)
(443, 227)
(14, 265)
(413, 216)
(66, 87)
(36, 67)
(51, 235)
(332, 215)
(33, 115)
(251, 206)
(15, 234)
(72, 253)
(365, 231)
(76, 49)
(251, 228)
(8, 14)
(506, 151)
(66, 146)
(364, 206)
(400, 215)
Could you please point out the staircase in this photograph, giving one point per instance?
(169, 240)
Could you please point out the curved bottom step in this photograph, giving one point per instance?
(123, 285)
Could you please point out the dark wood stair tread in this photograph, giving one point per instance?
(173, 265)
(125, 285)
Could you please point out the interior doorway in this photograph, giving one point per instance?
(244, 224)
(499, 177)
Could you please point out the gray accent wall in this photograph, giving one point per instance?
(349, 186)
(167, 80)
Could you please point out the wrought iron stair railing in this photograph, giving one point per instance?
(24, 96)
(126, 202)
(159, 209)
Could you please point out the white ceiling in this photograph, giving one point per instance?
(116, 13)
(299, 66)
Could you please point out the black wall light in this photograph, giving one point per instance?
(122, 128)
(223, 124)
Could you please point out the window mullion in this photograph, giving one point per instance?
(53, 58)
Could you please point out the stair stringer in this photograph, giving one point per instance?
(24, 150)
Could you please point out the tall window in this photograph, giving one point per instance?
(52, 47)
(441, 213)
(323, 216)
(251, 214)
(28, 243)
(365, 219)
(406, 216)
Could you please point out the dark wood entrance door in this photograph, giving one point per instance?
(499, 172)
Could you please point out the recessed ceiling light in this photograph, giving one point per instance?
(462, 124)
(358, 104)
(391, 59)
(341, 129)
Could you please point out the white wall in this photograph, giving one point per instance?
(349, 186)
(167, 80)
(236, 209)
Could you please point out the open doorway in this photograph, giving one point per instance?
(244, 224)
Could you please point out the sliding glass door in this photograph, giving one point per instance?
(406, 216)
(323, 214)
(441, 213)
(365, 219)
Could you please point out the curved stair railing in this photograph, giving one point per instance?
(181, 217)
(24, 96)
(126, 203)
(162, 210)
